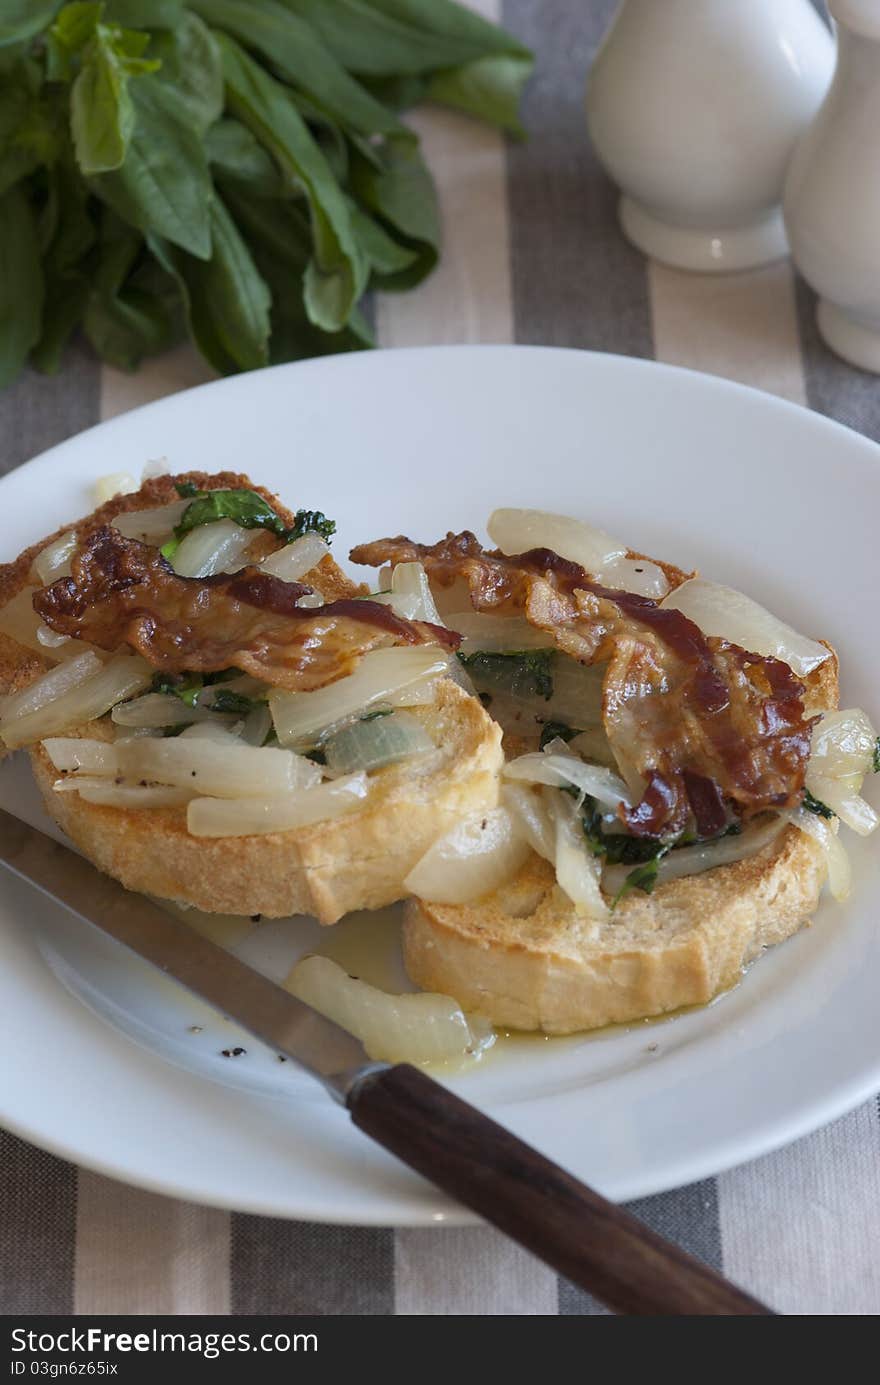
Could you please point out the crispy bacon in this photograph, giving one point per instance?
(123, 592)
(703, 722)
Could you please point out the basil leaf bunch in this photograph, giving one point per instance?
(238, 170)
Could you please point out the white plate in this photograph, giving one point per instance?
(756, 493)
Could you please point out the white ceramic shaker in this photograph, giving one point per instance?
(832, 192)
(694, 107)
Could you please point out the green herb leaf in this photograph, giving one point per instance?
(379, 712)
(186, 686)
(186, 489)
(145, 14)
(20, 20)
(395, 185)
(877, 756)
(311, 522)
(405, 40)
(164, 186)
(124, 322)
(246, 508)
(232, 702)
(489, 89)
(236, 155)
(336, 276)
(101, 112)
(190, 66)
(815, 805)
(65, 304)
(643, 878)
(521, 673)
(21, 282)
(294, 50)
(226, 298)
(556, 730)
(280, 240)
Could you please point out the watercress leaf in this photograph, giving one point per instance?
(521, 673)
(266, 108)
(400, 193)
(191, 66)
(164, 185)
(228, 300)
(21, 282)
(20, 20)
(243, 507)
(293, 48)
(145, 14)
(643, 878)
(815, 805)
(311, 522)
(489, 89)
(877, 756)
(556, 730)
(236, 155)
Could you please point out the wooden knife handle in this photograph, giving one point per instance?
(587, 1239)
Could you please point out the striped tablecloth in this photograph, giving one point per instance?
(532, 254)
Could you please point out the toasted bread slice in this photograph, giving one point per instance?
(19, 665)
(328, 869)
(526, 959)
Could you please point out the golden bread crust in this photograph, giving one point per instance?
(527, 960)
(328, 869)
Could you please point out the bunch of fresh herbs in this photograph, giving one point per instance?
(237, 169)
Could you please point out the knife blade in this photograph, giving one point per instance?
(579, 1233)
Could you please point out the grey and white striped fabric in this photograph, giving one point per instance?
(533, 255)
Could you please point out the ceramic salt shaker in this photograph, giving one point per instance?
(694, 108)
(832, 192)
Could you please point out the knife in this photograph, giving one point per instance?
(589, 1240)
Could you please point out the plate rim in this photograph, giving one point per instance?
(771, 1135)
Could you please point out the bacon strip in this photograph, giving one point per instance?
(124, 592)
(703, 721)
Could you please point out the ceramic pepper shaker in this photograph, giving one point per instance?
(694, 107)
(832, 192)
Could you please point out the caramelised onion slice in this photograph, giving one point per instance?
(693, 860)
(116, 483)
(516, 531)
(733, 616)
(554, 766)
(577, 870)
(73, 693)
(220, 768)
(212, 548)
(481, 852)
(296, 559)
(246, 817)
(151, 526)
(422, 1028)
(301, 717)
(54, 560)
(837, 860)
